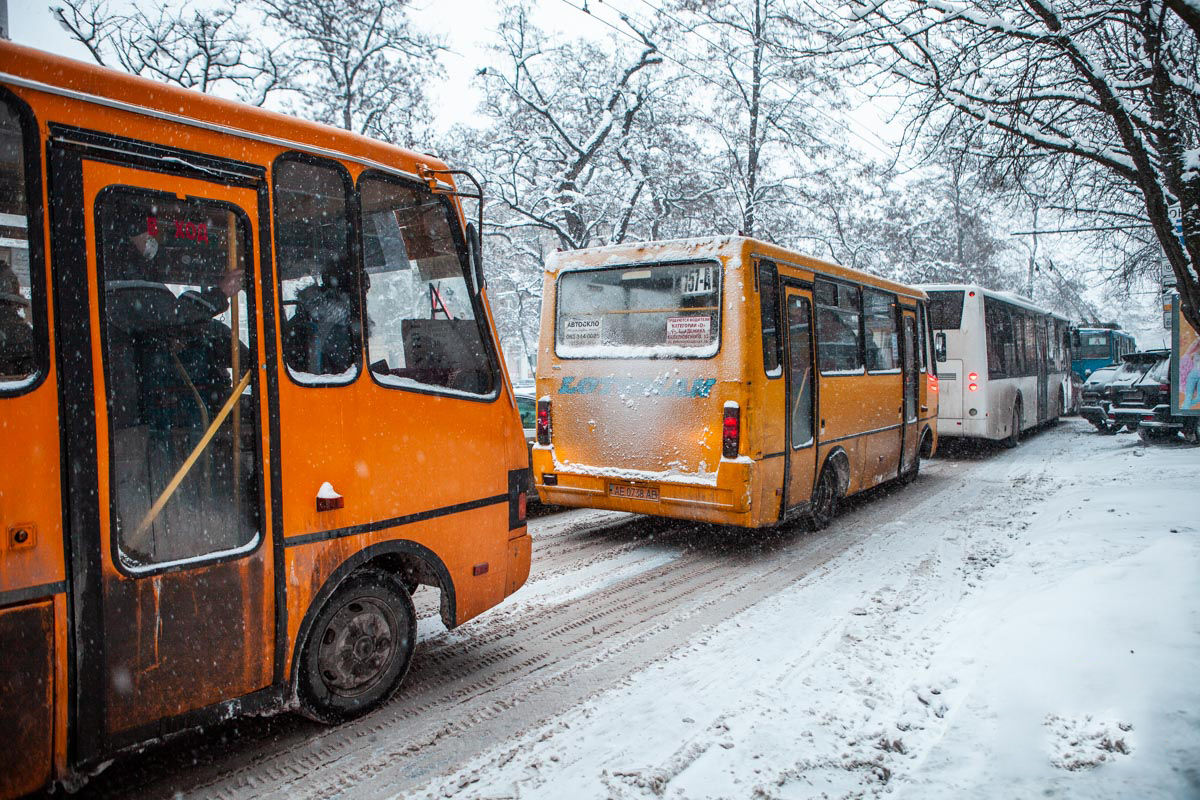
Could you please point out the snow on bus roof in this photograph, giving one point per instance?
(1008, 297)
(623, 254)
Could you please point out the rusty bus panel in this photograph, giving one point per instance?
(27, 692)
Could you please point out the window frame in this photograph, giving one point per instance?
(253, 312)
(352, 239)
(923, 358)
(896, 315)
(473, 293)
(861, 369)
(36, 240)
(716, 262)
(766, 268)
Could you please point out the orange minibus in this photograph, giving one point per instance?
(250, 400)
(728, 381)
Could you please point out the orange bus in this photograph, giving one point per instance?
(250, 400)
(728, 381)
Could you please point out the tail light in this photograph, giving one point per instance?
(731, 430)
(973, 387)
(543, 421)
(972, 376)
(933, 383)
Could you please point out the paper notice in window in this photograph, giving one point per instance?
(581, 331)
(689, 330)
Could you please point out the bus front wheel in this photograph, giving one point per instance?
(358, 649)
(1014, 434)
(824, 502)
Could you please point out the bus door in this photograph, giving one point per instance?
(910, 433)
(171, 564)
(801, 395)
(1043, 371)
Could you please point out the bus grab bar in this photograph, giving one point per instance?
(189, 462)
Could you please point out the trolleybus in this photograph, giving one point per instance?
(250, 399)
(1003, 363)
(1098, 347)
(727, 380)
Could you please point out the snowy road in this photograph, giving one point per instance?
(1014, 623)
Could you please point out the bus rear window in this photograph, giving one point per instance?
(659, 311)
(945, 310)
(1093, 345)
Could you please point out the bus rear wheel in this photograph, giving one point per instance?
(824, 502)
(1014, 435)
(358, 649)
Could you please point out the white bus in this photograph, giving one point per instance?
(1003, 363)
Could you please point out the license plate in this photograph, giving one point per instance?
(633, 492)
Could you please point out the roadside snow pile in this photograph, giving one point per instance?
(1037, 636)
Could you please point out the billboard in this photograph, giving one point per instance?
(1185, 365)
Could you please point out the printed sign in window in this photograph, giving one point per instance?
(689, 330)
(581, 331)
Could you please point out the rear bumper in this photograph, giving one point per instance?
(1097, 415)
(726, 501)
(969, 427)
(1158, 418)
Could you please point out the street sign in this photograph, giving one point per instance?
(1175, 215)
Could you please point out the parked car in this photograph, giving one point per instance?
(1134, 367)
(1094, 402)
(1146, 406)
(527, 407)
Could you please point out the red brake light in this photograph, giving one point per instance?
(972, 376)
(731, 430)
(973, 387)
(543, 422)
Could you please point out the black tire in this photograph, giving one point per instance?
(1191, 431)
(824, 502)
(1154, 436)
(358, 649)
(1014, 435)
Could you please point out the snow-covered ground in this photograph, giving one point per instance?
(1014, 624)
(1033, 633)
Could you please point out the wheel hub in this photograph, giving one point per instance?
(357, 647)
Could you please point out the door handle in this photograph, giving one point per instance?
(924, 408)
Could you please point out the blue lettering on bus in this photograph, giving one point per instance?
(700, 387)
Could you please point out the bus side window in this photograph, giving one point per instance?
(839, 314)
(922, 344)
(19, 359)
(1001, 347)
(422, 327)
(318, 278)
(882, 339)
(769, 307)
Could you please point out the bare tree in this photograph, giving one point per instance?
(203, 50)
(556, 155)
(356, 64)
(764, 99)
(1095, 104)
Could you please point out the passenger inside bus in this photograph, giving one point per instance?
(16, 331)
(319, 338)
(181, 488)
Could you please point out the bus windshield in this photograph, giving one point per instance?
(660, 311)
(945, 310)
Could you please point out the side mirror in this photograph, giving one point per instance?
(475, 249)
(939, 346)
